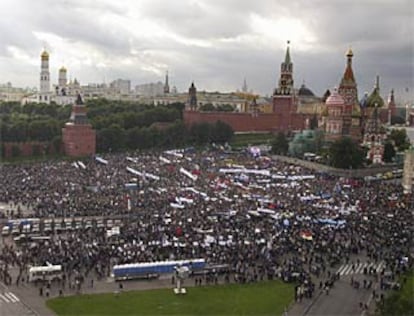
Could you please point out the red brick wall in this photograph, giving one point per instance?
(79, 140)
(245, 122)
(26, 149)
(285, 108)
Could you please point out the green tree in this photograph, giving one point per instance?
(345, 153)
(37, 149)
(396, 119)
(400, 139)
(313, 122)
(57, 143)
(225, 108)
(389, 152)
(111, 138)
(9, 107)
(200, 133)
(221, 132)
(280, 144)
(15, 151)
(176, 135)
(134, 138)
(179, 107)
(43, 130)
(17, 132)
(208, 107)
(400, 302)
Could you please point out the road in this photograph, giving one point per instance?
(343, 298)
(11, 304)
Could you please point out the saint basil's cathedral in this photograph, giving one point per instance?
(339, 114)
(342, 115)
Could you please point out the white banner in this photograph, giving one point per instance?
(188, 174)
(164, 160)
(144, 175)
(101, 160)
(262, 172)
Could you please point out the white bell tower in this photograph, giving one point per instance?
(44, 93)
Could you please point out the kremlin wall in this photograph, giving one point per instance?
(247, 122)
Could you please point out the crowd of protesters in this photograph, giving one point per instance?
(286, 222)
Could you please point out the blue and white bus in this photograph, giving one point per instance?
(154, 269)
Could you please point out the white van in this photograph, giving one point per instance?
(26, 228)
(68, 224)
(78, 224)
(36, 227)
(5, 231)
(47, 226)
(58, 226)
(16, 229)
(100, 223)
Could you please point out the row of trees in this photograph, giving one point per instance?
(42, 122)
(43, 129)
(209, 107)
(119, 125)
(115, 138)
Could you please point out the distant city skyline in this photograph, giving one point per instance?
(214, 43)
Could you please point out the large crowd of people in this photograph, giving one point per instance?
(263, 218)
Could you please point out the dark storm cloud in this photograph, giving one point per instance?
(198, 20)
(215, 43)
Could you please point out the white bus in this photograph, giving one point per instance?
(45, 273)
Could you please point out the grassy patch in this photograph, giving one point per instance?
(401, 302)
(265, 298)
(240, 140)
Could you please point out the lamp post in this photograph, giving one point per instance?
(181, 273)
(407, 115)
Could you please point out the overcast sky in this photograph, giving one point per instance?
(216, 43)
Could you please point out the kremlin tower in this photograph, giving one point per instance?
(192, 97)
(284, 100)
(79, 139)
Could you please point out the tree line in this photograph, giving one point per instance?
(119, 125)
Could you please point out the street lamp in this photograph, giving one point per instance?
(181, 273)
(407, 114)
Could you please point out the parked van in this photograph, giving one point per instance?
(5, 231)
(16, 229)
(47, 226)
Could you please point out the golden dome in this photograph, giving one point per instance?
(45, 54)
(62, 69)
(349, 53)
